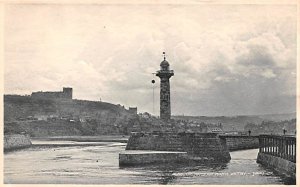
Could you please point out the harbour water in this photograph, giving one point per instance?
(67, 162)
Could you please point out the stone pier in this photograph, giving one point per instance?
(239, 142)
(278, 153)
(201, 147)
(151, 157)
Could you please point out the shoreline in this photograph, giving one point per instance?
(101, 138)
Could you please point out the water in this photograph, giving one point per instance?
(66, 162)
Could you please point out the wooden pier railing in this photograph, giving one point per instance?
(279, 146)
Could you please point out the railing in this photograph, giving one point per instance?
(165, 71)
(279, 146)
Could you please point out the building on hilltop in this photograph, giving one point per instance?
(67, 93)
(133, 110)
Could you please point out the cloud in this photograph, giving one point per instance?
(227, 59)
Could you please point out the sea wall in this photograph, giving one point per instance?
(278, 164)
(195, 144)
(150, 157)
(238, 142)
(155, 141)
(16, 141)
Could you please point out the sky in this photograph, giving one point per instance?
(227, 59)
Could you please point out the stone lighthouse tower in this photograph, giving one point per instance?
(165, 74)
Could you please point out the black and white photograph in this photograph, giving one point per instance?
(129, 92)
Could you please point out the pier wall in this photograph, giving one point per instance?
(157, 142)
(140, 157)
(278, 164)
(278, 153)
(195, 144)
(238, 142)
(16, 141)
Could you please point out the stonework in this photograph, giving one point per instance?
(16, 141)
(278, 164)
(197, 145)
(133, 110)
(165, 74)
(151, 157)
(237, 142)
(65, 94)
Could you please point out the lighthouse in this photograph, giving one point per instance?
(165, 74)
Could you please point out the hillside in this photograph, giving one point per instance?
(237, 123)
(66, 117)
(17, 107)
(47, 117)
(273, 127)
(278, 117)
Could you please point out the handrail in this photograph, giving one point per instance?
(279, 146)
(165, 71)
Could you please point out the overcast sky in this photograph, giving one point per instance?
(227, 59)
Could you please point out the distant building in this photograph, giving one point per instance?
(145, 115)
(85, 118)
(231, 133)
(133, 110)
(215, 129)
(41, 117)
(67, 93)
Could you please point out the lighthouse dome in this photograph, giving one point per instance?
(164, 63)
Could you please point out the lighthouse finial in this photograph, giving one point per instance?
(164, 54)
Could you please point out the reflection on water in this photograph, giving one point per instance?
(99, 164)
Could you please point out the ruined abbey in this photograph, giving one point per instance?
(65, 94)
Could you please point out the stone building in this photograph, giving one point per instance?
(67, 93)
(165, 74)
(133, 110)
